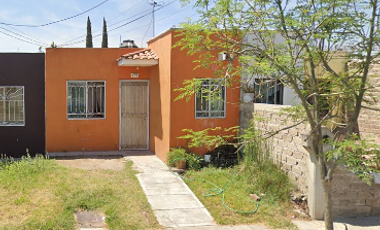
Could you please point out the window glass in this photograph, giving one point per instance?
(268, 91)
(210, 99)
(12, 106)
(85, 99)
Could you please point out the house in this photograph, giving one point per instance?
(22, 107)
(122, 98)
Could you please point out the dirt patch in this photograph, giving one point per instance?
(117, 164)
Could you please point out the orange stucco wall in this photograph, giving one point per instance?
(181, 113)
(161, 97)
(184, 112)
(84, 64)
(167, 117)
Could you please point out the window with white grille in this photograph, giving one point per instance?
(85, 99)
(12, 106)
(210, 99)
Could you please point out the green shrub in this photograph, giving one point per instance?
(193, 161)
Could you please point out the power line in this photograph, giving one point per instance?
(73, 43)
(23, 38)
(20, 39)
(27, 36)
(109, 26)
(186, 8)
(50, 23)
(142, 40)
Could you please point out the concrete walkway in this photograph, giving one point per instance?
(173, 203)
(176, 207)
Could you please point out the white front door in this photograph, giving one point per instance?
(134, 115)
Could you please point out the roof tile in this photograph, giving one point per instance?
(146, 54)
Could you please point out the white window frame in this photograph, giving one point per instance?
(3, 101)
(211, 82)
(86, 100)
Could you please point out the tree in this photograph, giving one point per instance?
(104, 35)
(89, 35)
(312, 33)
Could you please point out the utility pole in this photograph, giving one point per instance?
(154, 3)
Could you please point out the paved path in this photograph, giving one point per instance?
(176, 207)
(173, 203)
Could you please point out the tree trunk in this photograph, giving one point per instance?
(327, 184)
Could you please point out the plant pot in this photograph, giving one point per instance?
(180, 164)
(376, 178)
(207, 158)
(248, 97)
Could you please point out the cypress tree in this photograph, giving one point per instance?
(89, 35)
(105, 34)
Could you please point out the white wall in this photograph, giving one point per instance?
(290, 97)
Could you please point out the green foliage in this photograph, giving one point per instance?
(89, 34)
(357, 155)
(193, 161)
(175, 154)
(261, 173)
(104, 35)
(297, 44)
(52, 45)
(190, 87)
(208, 138)
(253, 144)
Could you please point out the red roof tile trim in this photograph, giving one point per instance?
(146, 54)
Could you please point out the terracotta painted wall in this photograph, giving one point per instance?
(84, 64)
(161, 96)
(183, 113)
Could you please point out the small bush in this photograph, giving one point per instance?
(193, 161)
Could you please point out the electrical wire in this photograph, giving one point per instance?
(54, 22)
(142, 40)
(129, 22)
(109, 24)
(22, 37)
(117, 34)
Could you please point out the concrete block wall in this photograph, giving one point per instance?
(287, 150)
(369, 120)
(352, 197)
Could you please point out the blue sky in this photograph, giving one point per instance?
(72, 33)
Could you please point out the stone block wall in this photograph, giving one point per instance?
(369, 120)
(352, 197)
(287, 150)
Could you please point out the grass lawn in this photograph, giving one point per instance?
(40, 194)
(274, 210)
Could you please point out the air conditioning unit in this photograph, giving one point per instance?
(223, 57)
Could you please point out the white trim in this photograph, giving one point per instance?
(148, 114)
(23, 106)
(105, 100)
(137, 62)
(225, 102)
